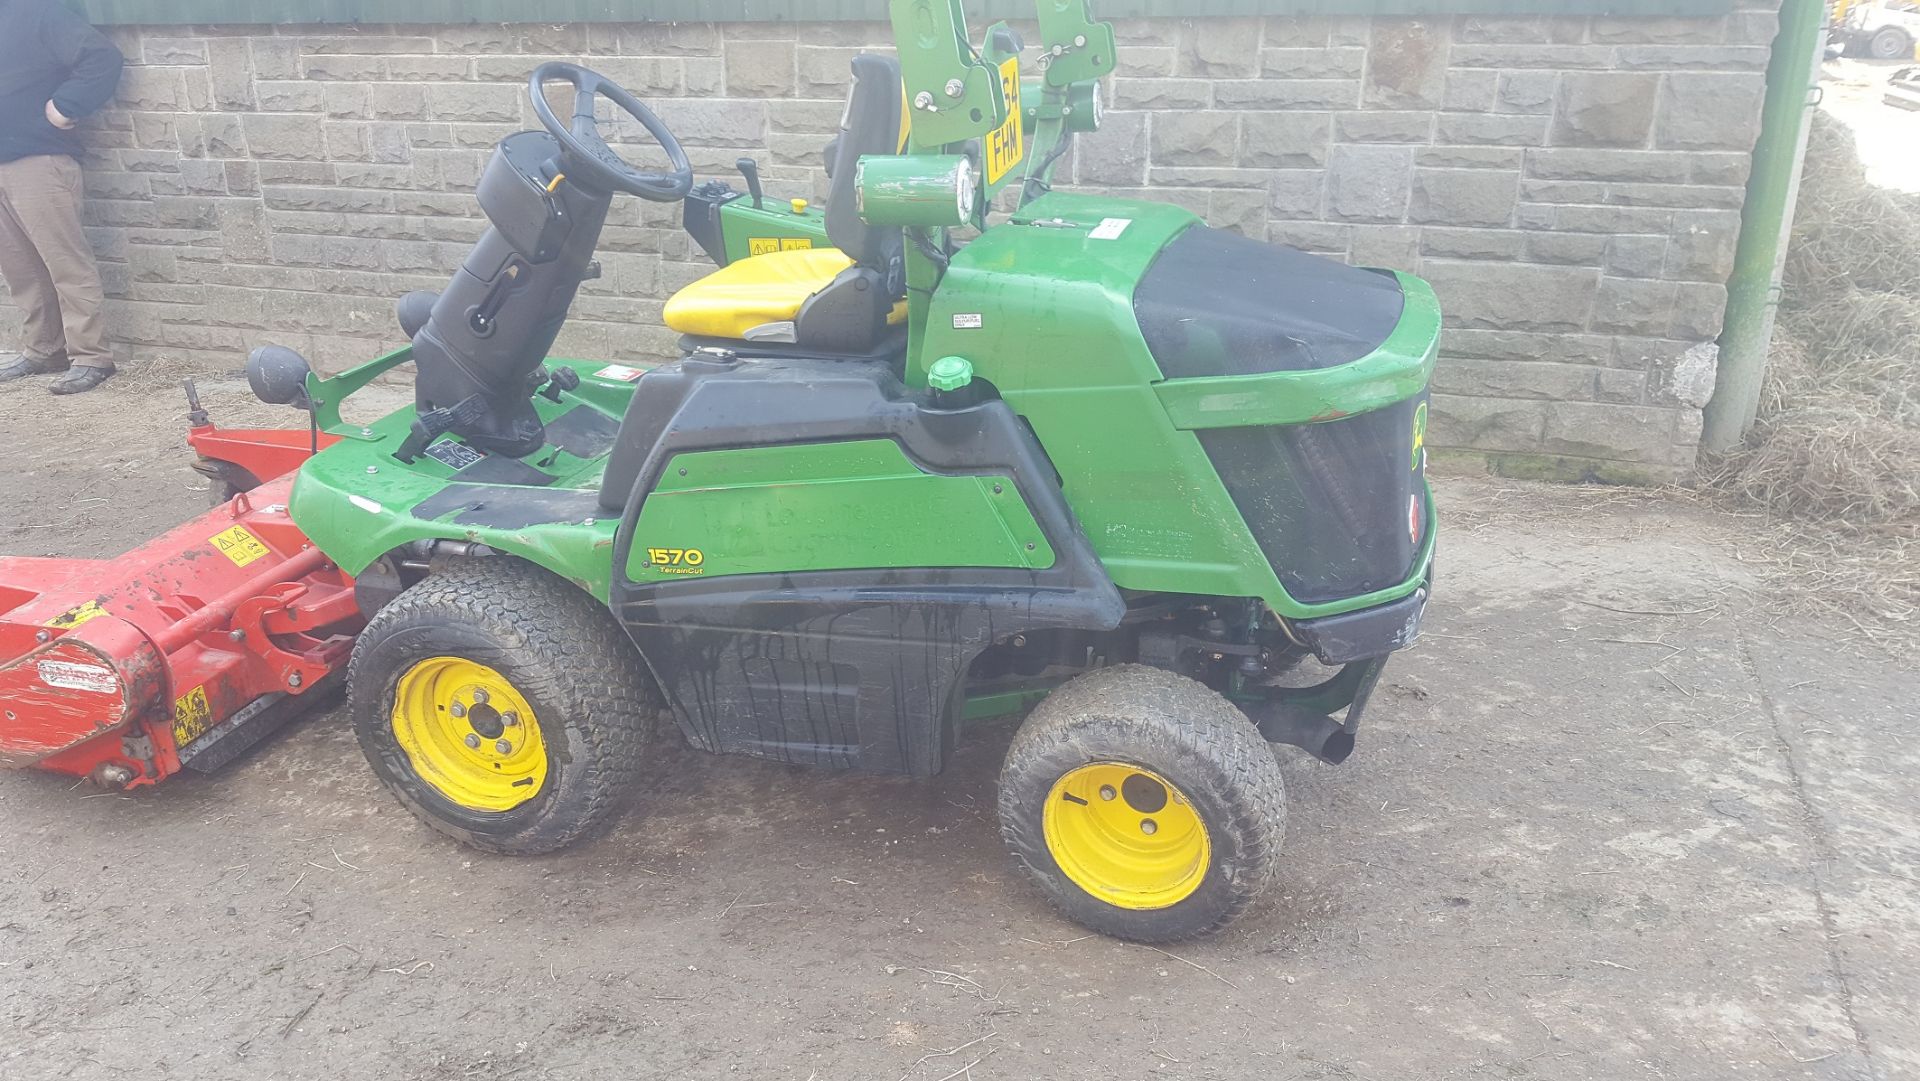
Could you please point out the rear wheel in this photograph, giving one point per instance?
(1144, 804)
(1890, 43)
(503, 706)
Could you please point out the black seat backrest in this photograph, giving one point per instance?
(871, 125)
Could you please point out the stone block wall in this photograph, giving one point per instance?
(1571, 185)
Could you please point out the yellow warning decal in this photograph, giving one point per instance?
(192, 716)
(239, 545)
(767, 245)
(1006, 145)
(85, 613)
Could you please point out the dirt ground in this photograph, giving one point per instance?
(1611, 819)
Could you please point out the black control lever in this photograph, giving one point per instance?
(750, 169)
(563, 381)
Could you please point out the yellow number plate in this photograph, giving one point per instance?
(1007, 144)
(239, 545)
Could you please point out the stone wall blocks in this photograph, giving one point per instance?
(1605, 109)
(1486, 423)
(1478, 129)
(1407, 64)
(1369, 183)
(1218, 48)
(1614, 432)
(1463, 197)
(1285, 93)
(1710, 111)
(1513, 297)
(1285, 140)
(1195, 138)
(1634, 306)
(1376, 126)
(1526, 91)
(1571, 186)
(1307, 63)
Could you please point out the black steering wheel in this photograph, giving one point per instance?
(589, 151)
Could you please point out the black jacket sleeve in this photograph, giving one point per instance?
(93, 63)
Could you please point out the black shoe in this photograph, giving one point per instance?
(80, 379)
(24, 366)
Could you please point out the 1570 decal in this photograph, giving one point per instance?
(677, 560)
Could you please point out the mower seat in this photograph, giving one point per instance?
(839, 300)
(763, 298)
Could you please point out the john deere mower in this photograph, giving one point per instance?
(1101, 462)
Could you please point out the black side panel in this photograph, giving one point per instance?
(858, 669)
(1340, 508)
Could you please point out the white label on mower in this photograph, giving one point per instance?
(968, 321)
(79, 677)
(365, 504)
(1110, 229)
(619, 372)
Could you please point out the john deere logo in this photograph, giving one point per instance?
(1419, 435)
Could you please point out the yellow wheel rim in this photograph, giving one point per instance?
(469, 734)
(1126, 835)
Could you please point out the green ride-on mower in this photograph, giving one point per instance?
(1101, 458)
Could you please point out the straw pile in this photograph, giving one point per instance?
(1835, 456)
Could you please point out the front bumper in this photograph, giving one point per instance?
(1368, 633)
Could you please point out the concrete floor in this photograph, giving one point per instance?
(1611, 819)
(1854, 92)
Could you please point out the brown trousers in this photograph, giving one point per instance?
(48, 263)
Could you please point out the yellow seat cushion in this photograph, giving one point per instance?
(753, 292)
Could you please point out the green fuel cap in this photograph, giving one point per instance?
(950, 373)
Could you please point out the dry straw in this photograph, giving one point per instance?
(1835, 457)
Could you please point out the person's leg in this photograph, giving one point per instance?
(43, 345)
(48, 207)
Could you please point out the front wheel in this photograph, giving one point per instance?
(1144, 804)
(502, 706)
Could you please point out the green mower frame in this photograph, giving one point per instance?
(1107, 460)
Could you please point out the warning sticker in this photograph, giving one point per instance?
(69, 676)
(1110, 229)
(192, 716)
(767, 245)
(81, 615)
(619, 372)
(239, 545)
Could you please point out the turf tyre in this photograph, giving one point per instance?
(564, 652)
(1182, 731)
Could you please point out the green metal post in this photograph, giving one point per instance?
(1753, 293)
